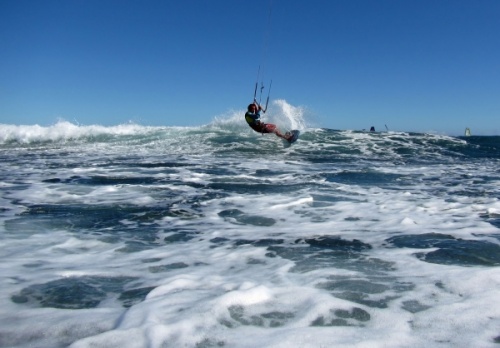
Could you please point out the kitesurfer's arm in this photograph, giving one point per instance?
(259, 107)
(253, 114)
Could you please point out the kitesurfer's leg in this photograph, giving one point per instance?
(285, 136)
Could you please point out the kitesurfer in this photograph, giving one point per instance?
(252, 116)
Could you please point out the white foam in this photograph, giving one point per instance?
(63, 130)
(243, 295)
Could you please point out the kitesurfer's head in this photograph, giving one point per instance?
(252, 107)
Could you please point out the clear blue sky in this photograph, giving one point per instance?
(415, 65)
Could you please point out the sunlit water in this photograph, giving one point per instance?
(217, 236)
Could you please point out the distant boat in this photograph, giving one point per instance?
(467, 132)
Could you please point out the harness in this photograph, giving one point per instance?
(249, 119)
(256, 124)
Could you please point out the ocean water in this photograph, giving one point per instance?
(216, 236)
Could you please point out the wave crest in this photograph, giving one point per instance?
(64, 131)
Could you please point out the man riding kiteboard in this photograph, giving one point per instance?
(252, 116)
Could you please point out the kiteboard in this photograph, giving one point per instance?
(295, 135)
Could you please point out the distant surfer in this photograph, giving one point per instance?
(252, 117)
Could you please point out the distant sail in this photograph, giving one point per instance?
(467, 132)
